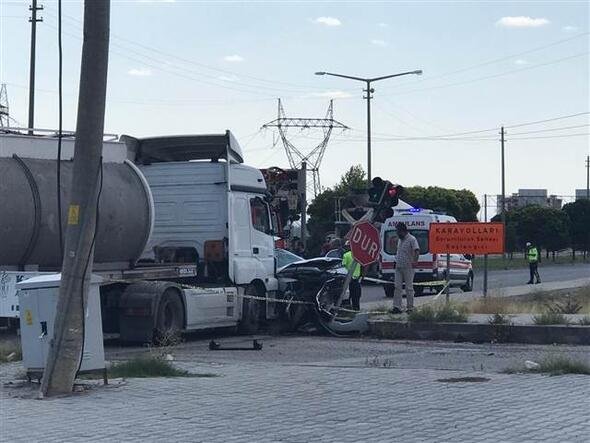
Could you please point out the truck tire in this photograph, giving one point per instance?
(169, 319)
(389, 290)
(252, 311)
(468, 286)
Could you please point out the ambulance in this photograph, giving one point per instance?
(429, 267)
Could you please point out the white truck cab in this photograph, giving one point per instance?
(429, 267)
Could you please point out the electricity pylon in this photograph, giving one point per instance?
(311, 159)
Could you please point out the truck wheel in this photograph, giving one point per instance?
(251, 311)
(389, 290)
(468, 286)
(169, 320)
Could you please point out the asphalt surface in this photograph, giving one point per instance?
(502, 279)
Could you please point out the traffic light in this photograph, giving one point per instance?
(383, 193)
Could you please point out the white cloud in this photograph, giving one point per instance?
(520, 62)
(327, 21)
(570, 28)
(331, 94)
(378, 42)
(235, 58)
(140, 72)
(156, 1)
(382, 25)
(522, 22)
(229, 78)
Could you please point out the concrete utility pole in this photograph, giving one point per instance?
(588, 177)
(65, 351)
(503, 191)
(33, 19)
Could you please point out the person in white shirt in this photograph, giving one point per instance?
(407, 254)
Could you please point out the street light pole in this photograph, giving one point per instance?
(368, 97)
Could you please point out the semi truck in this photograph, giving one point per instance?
(184, 236)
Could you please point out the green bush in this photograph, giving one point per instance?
(443, 313)
(550, 318)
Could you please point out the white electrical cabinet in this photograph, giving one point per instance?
(38, 303)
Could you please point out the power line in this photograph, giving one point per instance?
(552, 136)
(487, 77)
(561, 117)
(501, 59)
(562, 128)
(205, 66)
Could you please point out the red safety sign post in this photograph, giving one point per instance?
(364, 243)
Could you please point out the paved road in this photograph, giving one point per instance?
(503, 279)
(316, 389)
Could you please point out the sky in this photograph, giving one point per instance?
(190, 67)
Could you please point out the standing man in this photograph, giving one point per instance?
(354, 287)
(532, 255)
(407, 254)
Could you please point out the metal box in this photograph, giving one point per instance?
(38, 301)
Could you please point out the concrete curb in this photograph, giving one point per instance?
(481, 333)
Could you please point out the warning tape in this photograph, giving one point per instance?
(424, 283)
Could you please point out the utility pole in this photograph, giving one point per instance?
(485, 257)
(368, 97)
(588, 177)
(65, 351)
(303, 200)
(33, 20)
(503, 192)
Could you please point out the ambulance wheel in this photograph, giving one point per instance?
(169, 319)
(468, 286)
(418, 290)
(389, 290)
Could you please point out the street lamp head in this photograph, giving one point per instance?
(418, 72)
(320, 73)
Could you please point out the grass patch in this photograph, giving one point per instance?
(148, 367)
(570, 301)
(555, 366)
(10, 352)
(439, 313)
(496, 262)
(550, 318)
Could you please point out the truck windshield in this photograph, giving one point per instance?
(391, 238)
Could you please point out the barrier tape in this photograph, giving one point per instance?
(425, 283)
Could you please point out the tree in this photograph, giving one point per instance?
(322, 209)
(579, 215)
(547, 228)
(461, 204)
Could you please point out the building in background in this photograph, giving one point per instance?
(581, 194)
(527, 197)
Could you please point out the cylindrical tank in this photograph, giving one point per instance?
(29, 234)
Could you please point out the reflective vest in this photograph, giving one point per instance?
(347, 262)
(532, 255)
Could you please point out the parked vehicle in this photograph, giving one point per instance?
(430, 267)
(184, 238)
